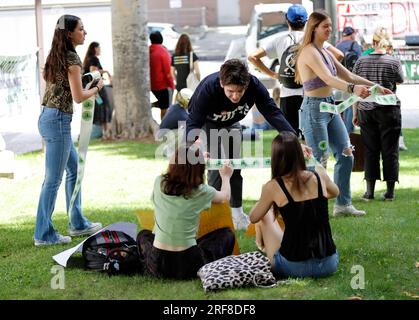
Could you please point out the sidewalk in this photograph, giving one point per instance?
(213, 44)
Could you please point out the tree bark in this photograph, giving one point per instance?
(132, 118)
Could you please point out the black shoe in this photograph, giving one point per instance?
(367, 197)
(387, 197)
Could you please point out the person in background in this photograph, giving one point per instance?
(62, 74)
(103, 111)
(348, 43)
(162, 84)
(290, 98)
(305, 248)
(171, 250)
(380, 124)
(181, 61)
(319, 72)
(178, 111)
(348, 40)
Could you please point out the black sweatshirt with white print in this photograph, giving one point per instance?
(209, 103)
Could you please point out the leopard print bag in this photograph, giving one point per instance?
(251, 268)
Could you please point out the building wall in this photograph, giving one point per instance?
(182, 18)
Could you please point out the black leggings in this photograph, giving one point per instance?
(184, 264)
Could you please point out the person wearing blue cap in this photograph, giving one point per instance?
(291, 97)
(352, 51)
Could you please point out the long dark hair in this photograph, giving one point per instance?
(185, 173)
(183, 45)
(91, 52)
(287, 159)
(56, 63)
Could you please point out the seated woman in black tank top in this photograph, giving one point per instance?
(306, 247)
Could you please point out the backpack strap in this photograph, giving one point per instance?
(352, 46)
(292, 38)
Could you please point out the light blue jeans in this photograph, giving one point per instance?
(316, 268)
(347, 120)
(324, 131)
(60, 153)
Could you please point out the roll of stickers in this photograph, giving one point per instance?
(88, 108)
(249, 163)
(388, 99)
(244, 163)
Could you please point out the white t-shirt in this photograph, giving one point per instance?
(275, 49)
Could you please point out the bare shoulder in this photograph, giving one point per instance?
(308, 50)
(269, 186)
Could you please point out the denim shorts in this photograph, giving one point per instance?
(316, 268)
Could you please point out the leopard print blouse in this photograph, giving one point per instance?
(58, 94)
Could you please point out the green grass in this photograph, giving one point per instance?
(118, 182)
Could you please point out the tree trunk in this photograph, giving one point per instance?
(131, 80)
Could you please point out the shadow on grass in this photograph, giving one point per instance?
(130, 148)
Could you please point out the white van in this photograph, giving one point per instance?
(267, 22)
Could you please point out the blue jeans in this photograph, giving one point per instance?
(316, 268)
(60, 153)
(347, 119)
(324, 131)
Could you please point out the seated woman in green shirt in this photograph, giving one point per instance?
(171, 250)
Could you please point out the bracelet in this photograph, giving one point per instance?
(350, 87)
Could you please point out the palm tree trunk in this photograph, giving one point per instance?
(131, 81)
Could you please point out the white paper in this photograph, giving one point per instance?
(129, 228)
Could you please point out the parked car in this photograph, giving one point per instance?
(168, 31)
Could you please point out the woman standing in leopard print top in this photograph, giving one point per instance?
(62, 74)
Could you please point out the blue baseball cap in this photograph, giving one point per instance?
(347, 31)
(296, 13)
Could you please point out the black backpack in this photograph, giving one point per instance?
(286, 72)
(113, 252)
(350, 58)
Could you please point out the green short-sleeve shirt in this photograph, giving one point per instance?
(58, 94)
(176, 219)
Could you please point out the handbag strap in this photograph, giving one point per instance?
(191, 61)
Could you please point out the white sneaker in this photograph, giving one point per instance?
(94, 227)
(61, 240)
(240, 220)
(347, 210)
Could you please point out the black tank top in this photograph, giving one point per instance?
(307, 230)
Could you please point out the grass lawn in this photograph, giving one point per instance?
(118, 181)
